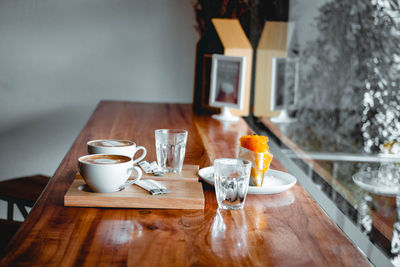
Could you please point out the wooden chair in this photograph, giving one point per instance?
(23, 192)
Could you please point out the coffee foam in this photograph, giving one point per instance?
(105, 159)
(111, 143)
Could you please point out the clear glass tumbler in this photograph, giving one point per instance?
(231, 177)
(171, 148)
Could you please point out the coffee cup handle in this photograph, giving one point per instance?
(144, 153)
(138, 174)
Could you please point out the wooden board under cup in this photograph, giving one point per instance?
(186, 193)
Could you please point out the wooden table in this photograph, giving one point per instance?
(287, 229)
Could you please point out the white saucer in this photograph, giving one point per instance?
(274, 181)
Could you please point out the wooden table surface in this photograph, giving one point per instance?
(286, 229)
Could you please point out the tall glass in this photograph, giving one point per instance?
(171, 148)
(231, 177)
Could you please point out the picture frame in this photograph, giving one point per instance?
(226, 37)
(205, 86)
(227, 82)
(284, 83)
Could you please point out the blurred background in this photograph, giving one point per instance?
(58, 59)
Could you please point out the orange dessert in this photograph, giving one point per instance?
(260, 156)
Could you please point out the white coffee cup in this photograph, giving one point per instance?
(105, 173)
(116, 147)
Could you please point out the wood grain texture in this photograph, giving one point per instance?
(186, 192)
(287, 229)
(183, 195)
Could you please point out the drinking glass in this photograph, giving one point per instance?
(171, 148)
(231, 179)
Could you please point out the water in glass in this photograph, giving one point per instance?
(231, 178)
(170, 157)
(171, 148)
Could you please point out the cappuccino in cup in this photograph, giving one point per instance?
(105, 159)
(116, 147)
(105, 173)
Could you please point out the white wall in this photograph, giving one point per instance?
(59, 58)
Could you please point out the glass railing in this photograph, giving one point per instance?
(340, 135)
(370, 220)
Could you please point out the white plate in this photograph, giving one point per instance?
(274, 181)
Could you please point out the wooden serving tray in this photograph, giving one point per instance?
(186, 193)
